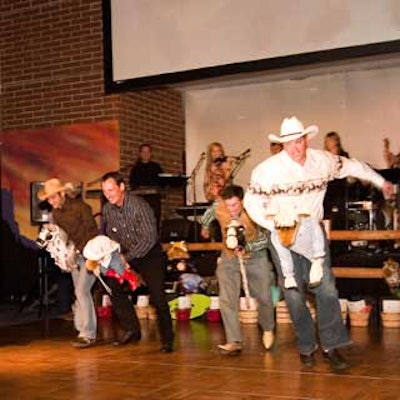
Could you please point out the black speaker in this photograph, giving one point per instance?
(40, 210)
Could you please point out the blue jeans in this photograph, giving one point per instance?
(84, 314)
(331, 329)
(258, 270)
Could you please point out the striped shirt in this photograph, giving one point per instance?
(132, 225)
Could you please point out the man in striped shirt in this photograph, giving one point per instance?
(130, 221)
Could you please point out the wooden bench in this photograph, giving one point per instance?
(339, 272)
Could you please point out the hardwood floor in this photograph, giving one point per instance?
(35, 364)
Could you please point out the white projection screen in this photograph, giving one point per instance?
(155, 42)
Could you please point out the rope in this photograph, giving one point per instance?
(108, 289)
(245, 282)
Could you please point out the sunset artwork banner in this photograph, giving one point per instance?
(79, 153)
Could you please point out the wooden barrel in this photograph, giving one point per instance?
(359, 318)
(390, 320)
(248, 316)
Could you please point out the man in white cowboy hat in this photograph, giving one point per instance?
(76, 219)
(291, 183)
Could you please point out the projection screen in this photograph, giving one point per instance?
(156, 42)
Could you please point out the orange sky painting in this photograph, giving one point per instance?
(74, 153)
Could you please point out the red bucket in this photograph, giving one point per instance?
(104, 312)
(182, 314)
(214, 315)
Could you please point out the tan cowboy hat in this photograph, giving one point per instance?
(50, 187)
(292, 129)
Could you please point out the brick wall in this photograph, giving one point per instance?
(51, 66)
(156, 117)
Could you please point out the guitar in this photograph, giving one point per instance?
(392, 160)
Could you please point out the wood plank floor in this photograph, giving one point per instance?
(35, 364)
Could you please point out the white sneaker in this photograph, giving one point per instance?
(290, 282)
(316, 272)
(268, 339)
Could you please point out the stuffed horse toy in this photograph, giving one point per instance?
(178, 255)
(391, 273)
(182, 270)
(54, 240)
(104, 255)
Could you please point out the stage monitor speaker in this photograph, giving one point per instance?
(40, 210)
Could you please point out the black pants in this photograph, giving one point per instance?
(152, 270)
(122, 306)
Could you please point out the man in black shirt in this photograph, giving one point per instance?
(144, 178)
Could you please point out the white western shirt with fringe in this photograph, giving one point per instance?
(279, 184)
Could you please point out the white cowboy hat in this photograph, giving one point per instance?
(292, 129)
(99, 247)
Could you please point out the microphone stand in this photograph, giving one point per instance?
(238, 164)
(192, 180)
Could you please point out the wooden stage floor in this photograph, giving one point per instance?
(39, 365)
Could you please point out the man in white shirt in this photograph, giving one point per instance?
(293, 182)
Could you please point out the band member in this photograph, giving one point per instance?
(275, 148)
(217, 171)
(392, 160)
(297, 178)
(333, 144)
(144, 175)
